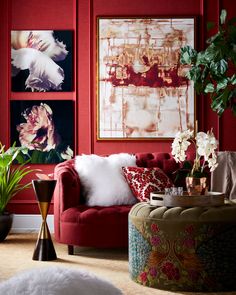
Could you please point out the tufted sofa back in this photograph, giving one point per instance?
(163, 160)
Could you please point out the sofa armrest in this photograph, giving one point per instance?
(67, 191)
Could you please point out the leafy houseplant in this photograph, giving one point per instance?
(10, 181)
(213, 69)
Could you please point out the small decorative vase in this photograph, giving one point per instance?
(196, 186)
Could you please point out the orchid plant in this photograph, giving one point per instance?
(205, 145)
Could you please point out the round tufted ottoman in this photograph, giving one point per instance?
(184, 249)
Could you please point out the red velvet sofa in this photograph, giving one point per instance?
(79, 225)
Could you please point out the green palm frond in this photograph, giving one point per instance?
(11, 175)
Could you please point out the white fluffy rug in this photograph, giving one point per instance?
(57, 281)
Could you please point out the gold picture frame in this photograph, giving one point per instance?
(142, 91)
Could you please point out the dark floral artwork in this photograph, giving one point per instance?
(44, 129)
(142, 88)
(41, 60)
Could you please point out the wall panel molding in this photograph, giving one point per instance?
(210, 118)
(5, 14)
(25, 223)
(84, 77)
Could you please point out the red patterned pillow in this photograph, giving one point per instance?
(142, 181)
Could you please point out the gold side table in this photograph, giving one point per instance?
(44, 249)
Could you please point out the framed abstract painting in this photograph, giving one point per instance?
(142, 91)
(41, 60)
(44, 128)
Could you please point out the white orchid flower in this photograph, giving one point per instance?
(212, 161)
(180, 145)
(206, 145)
(38, 52)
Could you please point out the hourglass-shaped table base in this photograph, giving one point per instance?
(44, 249)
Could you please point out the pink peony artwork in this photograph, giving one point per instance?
(44, 128)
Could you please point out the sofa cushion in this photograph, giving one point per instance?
(103, 180)
(96, 214)
(143, 181)
(96, 226)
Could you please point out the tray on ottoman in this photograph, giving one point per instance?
(209, 199)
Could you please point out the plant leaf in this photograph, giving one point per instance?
(211, 68)
(209, 88)
(223, 16)
(10, 182)
(53, 157)
(222, 84)
(187, 54)
(205, 73)
(212, 53)
(218, 68)
(37, 157)
(194, 73)
(233, 79)
(215, 38)
(199, 87)
(220, 101)
(201, 59)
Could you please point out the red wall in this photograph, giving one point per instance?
(80, 16)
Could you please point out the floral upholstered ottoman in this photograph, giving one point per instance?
(184, 249)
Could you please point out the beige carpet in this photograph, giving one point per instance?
(16, 255)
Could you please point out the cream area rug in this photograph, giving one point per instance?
(55, 280)
(110, 265)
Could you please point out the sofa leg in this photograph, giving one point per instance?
(70, 249)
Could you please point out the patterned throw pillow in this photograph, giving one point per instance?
(143, 181)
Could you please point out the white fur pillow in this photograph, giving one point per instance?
(103, 179)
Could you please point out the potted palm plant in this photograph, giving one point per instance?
(213, 69)
(11, 176)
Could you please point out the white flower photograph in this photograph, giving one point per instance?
(41, 61)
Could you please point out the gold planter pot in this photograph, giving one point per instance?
(196, 186)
